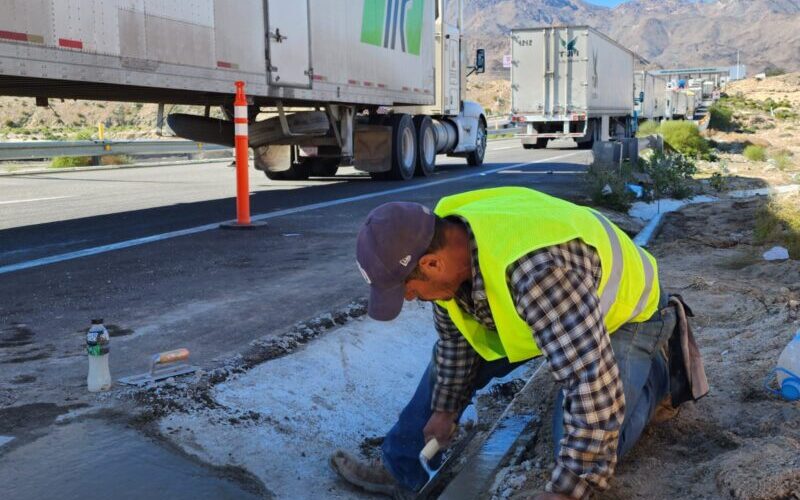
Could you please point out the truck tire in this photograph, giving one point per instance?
(475, 158)
(539, 144)
(404, 148)
(299, 171)
(322, 166)
(426, 146)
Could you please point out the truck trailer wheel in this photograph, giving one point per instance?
(404, 148)
(297, 172)
(475, 158)
(426, 146)
(321, 166)
(539, 144)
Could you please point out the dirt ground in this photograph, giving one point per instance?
(775, 87)
(739, 441)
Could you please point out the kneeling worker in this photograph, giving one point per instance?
(515, 274)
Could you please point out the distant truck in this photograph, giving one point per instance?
(570, 82)
(378, 84)
(681, 103)
(650, 94)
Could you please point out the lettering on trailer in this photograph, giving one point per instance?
(393, 24)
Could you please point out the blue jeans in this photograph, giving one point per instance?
(645, 381)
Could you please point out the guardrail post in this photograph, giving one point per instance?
(242, 163)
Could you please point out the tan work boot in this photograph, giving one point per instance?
(370, 476)
(664, 411)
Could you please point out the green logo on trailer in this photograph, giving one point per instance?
(393, 24)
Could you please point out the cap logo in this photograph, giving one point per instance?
(364, 273)
(405, 260)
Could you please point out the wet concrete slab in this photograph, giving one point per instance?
(94, 460)
(343, 388)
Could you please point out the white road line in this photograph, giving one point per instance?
(501, 149)
(271, 215)
(35, 199)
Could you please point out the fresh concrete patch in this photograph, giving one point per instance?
(282, 419)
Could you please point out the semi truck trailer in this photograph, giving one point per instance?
(378, 84)
(570, 82)
(650, 94)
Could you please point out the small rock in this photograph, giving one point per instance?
(776, 253)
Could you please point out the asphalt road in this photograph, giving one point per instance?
(212, 291)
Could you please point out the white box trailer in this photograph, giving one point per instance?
(324, 71)
(681, 103)
(570, 82)
(650, 93)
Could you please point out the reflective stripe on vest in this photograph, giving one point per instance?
(508, 223)
(615, 278)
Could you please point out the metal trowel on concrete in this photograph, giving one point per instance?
(433, 447)
(163, 366)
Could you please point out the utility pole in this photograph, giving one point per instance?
(737, 64)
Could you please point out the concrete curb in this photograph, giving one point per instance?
(40, 171)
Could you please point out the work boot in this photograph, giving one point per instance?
(370, 476)
(664, 411)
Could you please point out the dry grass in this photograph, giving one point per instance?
(779, 222)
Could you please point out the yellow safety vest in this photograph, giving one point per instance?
(510, 222)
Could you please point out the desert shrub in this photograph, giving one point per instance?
(607, 188)
(685, 138)
(782, 158)
(70, 161)
(779, 222)
(115, 160)
(755, 153)
(720, 117)
(646, 128)
(670, 174)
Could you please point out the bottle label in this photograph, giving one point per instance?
(96, 349)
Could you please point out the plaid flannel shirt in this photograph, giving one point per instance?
(555, 292)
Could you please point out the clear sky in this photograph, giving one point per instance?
(606, 3)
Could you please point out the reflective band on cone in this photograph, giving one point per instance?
(240, 129)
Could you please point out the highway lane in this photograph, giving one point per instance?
(52, 214)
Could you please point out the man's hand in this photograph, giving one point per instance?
(440, 426)
(552, 496)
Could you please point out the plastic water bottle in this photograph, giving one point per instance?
(97, 347)
(788, 370)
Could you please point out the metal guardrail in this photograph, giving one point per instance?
(48, 149)
(31, 150)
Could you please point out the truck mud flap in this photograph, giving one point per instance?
(269, 131)
(373, 148)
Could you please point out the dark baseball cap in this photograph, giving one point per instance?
(390, 243)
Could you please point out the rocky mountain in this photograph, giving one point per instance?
(668, 33)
